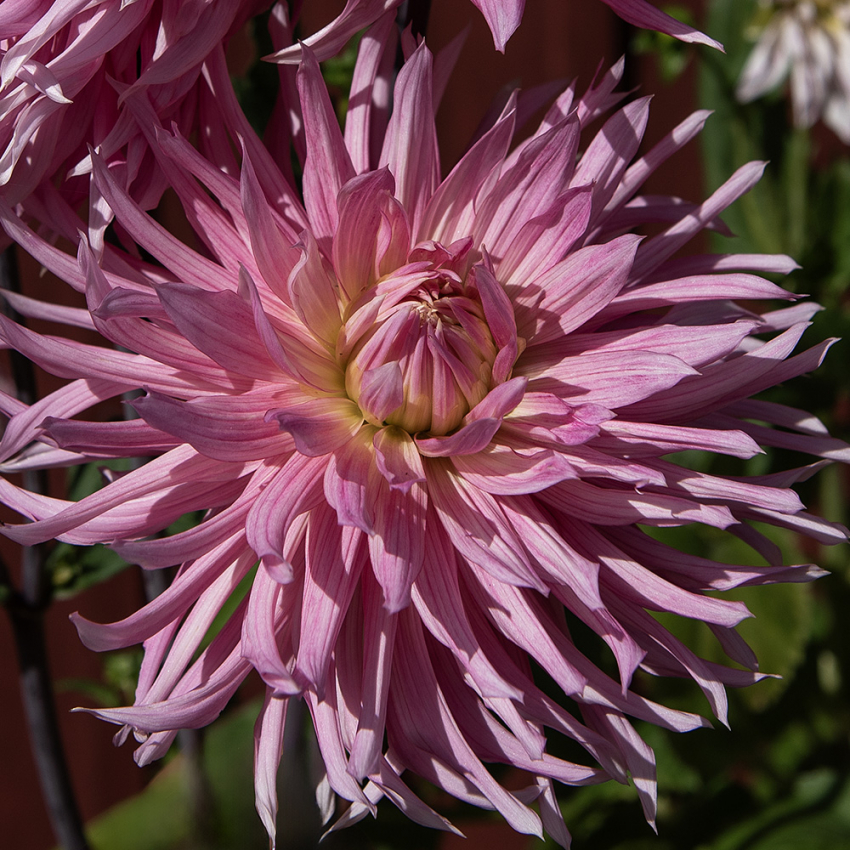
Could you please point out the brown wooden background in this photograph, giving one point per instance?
(558, 39)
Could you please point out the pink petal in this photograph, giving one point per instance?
(295, 489)
(397, 548)
(328, 166)
(577, 288)
(320, 426)
(410, 144)
(268, 748)
(502, 471)
(350, 481)
(335, 557)
(644, 14)
(229, 428)
(478, 529)
(329, 40)
(378, 647)
(503, 17)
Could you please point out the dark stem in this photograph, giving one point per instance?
(39, 709)
(26, 612)
(624, 46)
(203, 813)
(298, 808)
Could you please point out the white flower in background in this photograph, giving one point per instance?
(808, 40)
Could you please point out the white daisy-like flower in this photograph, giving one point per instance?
(808, 40)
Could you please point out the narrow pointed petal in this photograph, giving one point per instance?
(644, 14)
(397, 548)
(328, 166)
(502, 17)
(329, 40)
(410, 145)
(378, 648)
(295, 490)
(268, 748)
(335, 558)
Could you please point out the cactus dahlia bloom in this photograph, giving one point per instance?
(502, 16)
(60, 65)
(440, 414)
(810, 41)
(66, 66)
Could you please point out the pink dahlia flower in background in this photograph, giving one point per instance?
(437, 415)
(63, 65)
(66, 66)
(810, 42)
(502, 16)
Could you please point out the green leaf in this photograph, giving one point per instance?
(75, 568)
(778, 634)
(160, 817)
(783, 614)
(813, 817)
(824, 832)
(156, 819)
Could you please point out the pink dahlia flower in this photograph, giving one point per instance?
(63, 64)
(439, 414)
(66, 66)
(502, 16)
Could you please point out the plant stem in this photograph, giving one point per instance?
(39, 709)
(26, 609)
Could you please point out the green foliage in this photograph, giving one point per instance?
(156, 819)
(72, 568)
(163, 816)
(75, 568)
(257, 89)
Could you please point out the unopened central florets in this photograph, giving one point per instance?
(427, 359)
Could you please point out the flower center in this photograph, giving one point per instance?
(427, 358)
